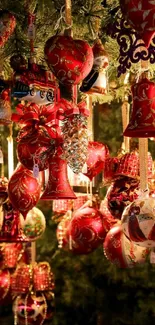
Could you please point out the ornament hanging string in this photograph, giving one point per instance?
(125, 116)
(68, 16)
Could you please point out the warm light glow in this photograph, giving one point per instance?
(10, 156)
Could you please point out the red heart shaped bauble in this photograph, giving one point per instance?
(23, 190)
(70, 60)
(140, 15)
(86, 230)
(7, 26)
(97, 154)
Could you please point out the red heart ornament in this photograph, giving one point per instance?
(140, 15)
(70, 60)
(7, 26)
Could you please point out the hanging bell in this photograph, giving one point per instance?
(58, 186)
(5, 108)
(142, 121)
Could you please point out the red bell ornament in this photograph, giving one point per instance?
(70, 60)
(97, 154)
(58, 186)
(141, 123)
(30, 309)
(128, 165)
(7, 23)
(43, 277)
(23, 190)
(140, 15)
(86, 230)
(21, 279)
(120, 194)
(120, 251)
(138, 222)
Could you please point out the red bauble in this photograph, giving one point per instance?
(107, 218)
(110, 168)
(70, 60)
(141, 123)
(140, 15)
(86, 230)
(34, 149)
(30, 309)
(120, 194)
(23, 190)
(9, 254)
(97, 154)
(5, 281)
(121, 251)
(8, 23)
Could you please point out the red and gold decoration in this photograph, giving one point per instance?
(58, 186)
(120, 194)
(138, 221)
(141, 123)
(97, 154)
(140, 15)
(5, 283)
(109, 171)
(3, 189)
(23, 190)
(8, 23)
(70, 60)
(122, 252)
(10, 254)
(86, 230)
(128, 165)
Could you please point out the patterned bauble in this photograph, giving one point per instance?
(70, 60)
(128, 165)
(30, 309)
(34, 149)
(120, 194)
(34, 225)
(86, 230)
(121, 251)
(23, 190)
(138, 221)
(140, 15)
(10, 254)
(107, 218)
(7, 23)
(97, 154)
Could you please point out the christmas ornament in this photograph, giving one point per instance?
(121, 251)
(97, 153)
(128, 165)
(86, 230)
(34, 225)
(107, 218)
(34, 84)
(43, 277)
(70, 60)
(95, 82)
(21, 279)
(141, 123)
(138, 221)
(30, 309)
(23, 190)
(61, 231)
(140, 15)
(50, 300)
(7, 23)
(5, 107)
(120, 194)
(11, 223)
(109, 170)
(75, 136)
(3, 189)
(9, 255)
(58, 186)
(5, 281)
